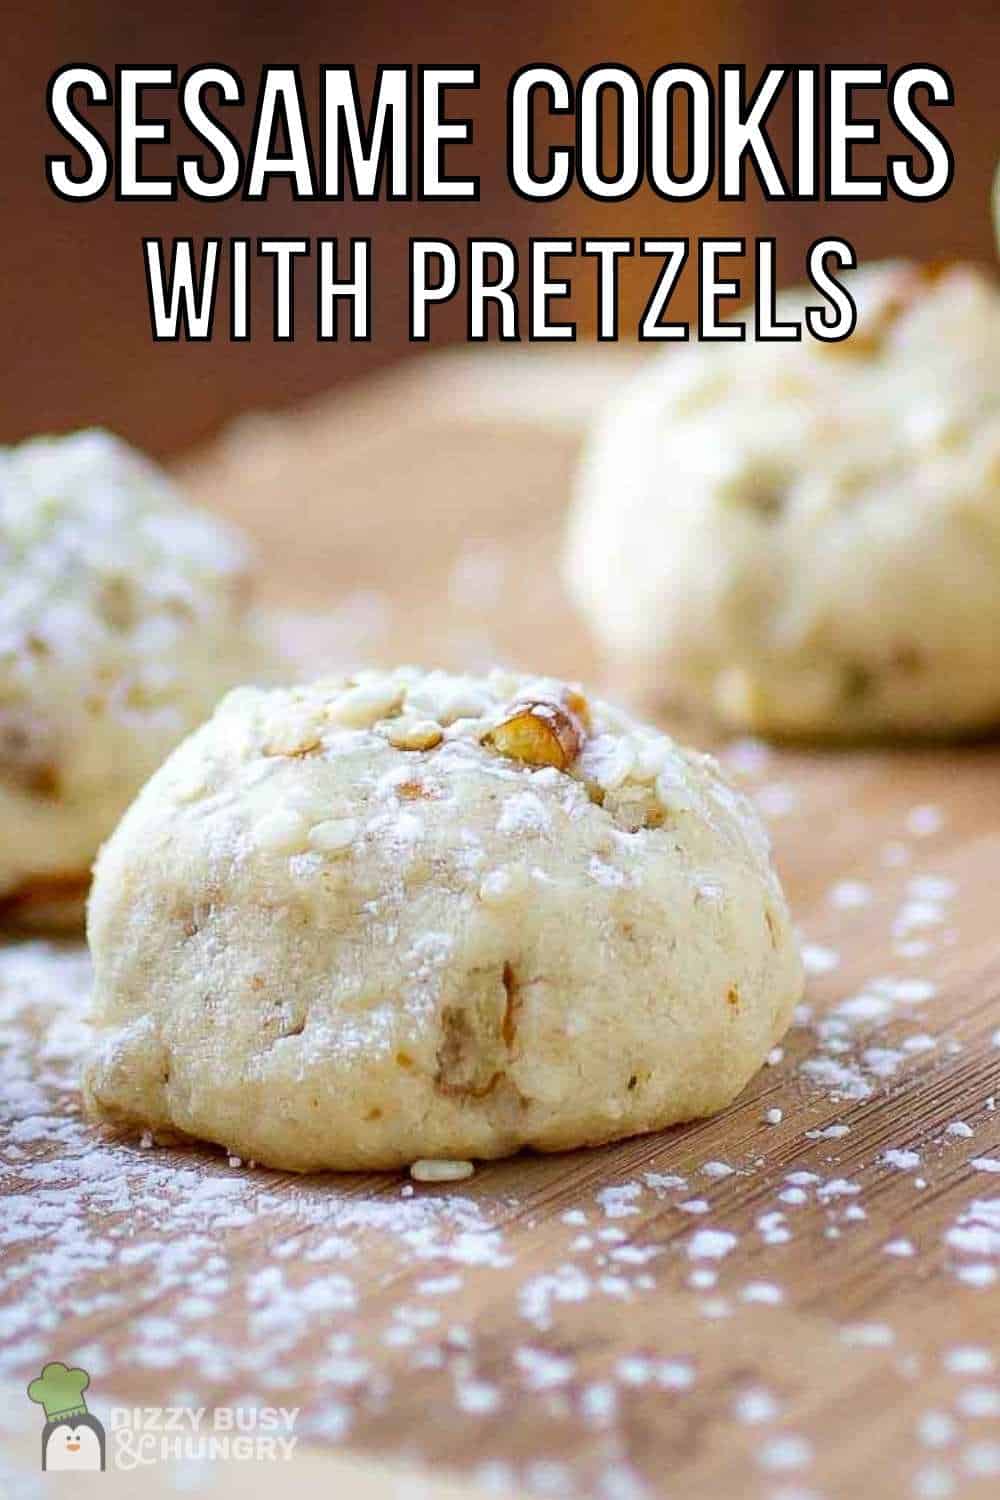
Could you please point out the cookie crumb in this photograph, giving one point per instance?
(441, 1171)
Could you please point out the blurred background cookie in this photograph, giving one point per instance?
(803, 539)
(123, 618)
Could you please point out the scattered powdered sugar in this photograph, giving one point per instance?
(756, 1405)
(979, 1402)
(717, 1169)
(829, 1133)
(841, 1080)
(936, 1429)
(777, 800)
(976, 1230)
(847, 895)
(924, 820)
(819, 960)
(668, 1374)
(711, 1244)
(762, 1291)
(905, 1161)
(969, 1359)
(783, 1453)
(867, 1335)
(351, 1288)
(618, 1202)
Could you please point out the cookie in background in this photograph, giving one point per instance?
(124, 617)
(802, 539)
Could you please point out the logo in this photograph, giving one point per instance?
(71, 1437)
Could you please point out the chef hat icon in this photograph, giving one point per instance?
(60, 1390)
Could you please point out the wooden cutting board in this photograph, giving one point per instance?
(799, 1298)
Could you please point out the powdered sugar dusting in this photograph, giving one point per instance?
(589, 1301)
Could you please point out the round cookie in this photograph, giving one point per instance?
(803, 539)
(411, 915)
(123, 620)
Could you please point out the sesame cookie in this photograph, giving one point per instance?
(804, 538)
(412, 915)
(122, 622)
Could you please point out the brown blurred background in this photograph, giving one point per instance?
(77, 334)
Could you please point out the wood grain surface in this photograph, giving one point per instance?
(799, 1298)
